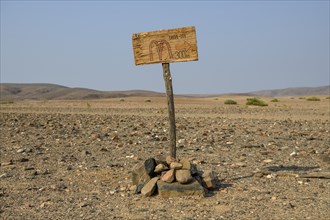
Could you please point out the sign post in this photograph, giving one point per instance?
(166, 46)
(170, 105)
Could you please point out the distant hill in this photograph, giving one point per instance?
(35, 91)
(298, 91)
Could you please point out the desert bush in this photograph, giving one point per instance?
(6, 102)
(230, 102)
(122, 100)
(302, 98)
(255, 101)
(88, 105)
(327, 97)
(274, 100)
(147, 100)
(313, 98)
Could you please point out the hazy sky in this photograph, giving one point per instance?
(242, 45)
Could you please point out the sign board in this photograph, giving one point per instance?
(165, 46)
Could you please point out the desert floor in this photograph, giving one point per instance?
(72, 159)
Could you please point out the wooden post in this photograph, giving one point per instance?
(170, 104)
(166, 46)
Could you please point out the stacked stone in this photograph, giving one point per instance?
(171, 178)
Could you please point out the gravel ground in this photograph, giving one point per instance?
(72, 159)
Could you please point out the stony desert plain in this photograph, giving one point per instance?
(73, 159)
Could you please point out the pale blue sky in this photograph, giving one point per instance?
(243, 45)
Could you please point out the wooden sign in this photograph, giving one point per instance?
(165, 46)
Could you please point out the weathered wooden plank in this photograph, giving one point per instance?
(171, 110)
(165, 46)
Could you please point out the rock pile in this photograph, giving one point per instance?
(171, 178)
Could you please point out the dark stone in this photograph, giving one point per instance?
(139, 188)
(24, 160)
(194, 170)
(149, 166)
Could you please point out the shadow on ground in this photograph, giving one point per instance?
(290, 168)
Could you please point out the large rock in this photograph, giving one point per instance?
(150, 187)
(149, 166)
(175, 166)
(183, 176)
(176, 189)
(139, 177)
(209, 179)
(160, 168)
(139, 174)
(169, 176)
(186, 165)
